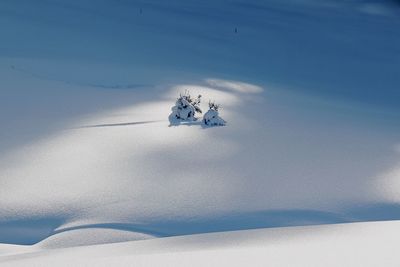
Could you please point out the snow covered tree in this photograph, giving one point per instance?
(211, 117)
(186, 107)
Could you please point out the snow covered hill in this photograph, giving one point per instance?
(127, 169)
(309, 90)
(358, 244)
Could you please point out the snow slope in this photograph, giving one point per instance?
(127, 168)
(309, 92)
(358, 244)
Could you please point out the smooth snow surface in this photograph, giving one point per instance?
(356, 245)
(84, 237)
(88, 155)
(126, 168)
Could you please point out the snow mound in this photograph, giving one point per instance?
(89, 236)
(357, 245)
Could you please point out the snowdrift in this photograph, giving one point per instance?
(358, 244)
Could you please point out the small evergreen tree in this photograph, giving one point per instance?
(211, 117)
(186, 107)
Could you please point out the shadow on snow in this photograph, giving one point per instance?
(32, 230)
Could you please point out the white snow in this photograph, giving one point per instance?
(125, 165)
(85, 237)
(357, 244)
(89, 157)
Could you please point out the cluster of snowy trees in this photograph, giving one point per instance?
(186, 107)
